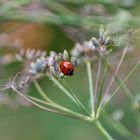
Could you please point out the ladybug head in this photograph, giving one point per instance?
(70, 73)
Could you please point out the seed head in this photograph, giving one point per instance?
(90, 50)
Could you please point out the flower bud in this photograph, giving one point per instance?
(94, 41)
(52, 70)
(58, 58)
(65, 55)
(74, 61)
(105, 35)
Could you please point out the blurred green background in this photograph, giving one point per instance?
(30, 123)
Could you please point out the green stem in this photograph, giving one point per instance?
(54, 103)
(88, 64)
(80, 117)
(124, 87)
(123, 81)
(55, 81)
(115, 74)
(103, 131)
(120, 128)
(97, 80)
(67, 93)
(76, 99)
(58, 107)
(102, 86)
(42, 93)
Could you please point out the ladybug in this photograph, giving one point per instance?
(66, 68)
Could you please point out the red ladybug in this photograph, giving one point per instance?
(66, 68)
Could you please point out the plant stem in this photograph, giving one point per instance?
(80, 117)
(74, 96)
(42, 93)
(124, 88)
(102, 85)
(54, 103)
(55, 81)
(103, 131)
(88, 64)
(123, 81)
(97, 79)
(119, 82)
(126, 78)
(69, 95)
(116, 72)
(56, 106)
(111, 81)
(120, 128)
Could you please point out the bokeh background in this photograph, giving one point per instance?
(22, 24)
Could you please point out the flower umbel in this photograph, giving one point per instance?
(90, 50)
(59, 66)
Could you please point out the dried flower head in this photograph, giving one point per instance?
(95, 46)
(29, 54)
(38, 66)
(51, 64)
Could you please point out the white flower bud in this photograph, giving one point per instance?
(65, 55)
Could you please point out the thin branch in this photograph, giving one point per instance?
(47, 109)
(113, 77)
(123, 81)
(91, 90)
(75, 97)
(124, 87)
(116, 72)
(102, 85)
(97, 78)
(55, 106)
(68, 94)
(42, 93)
